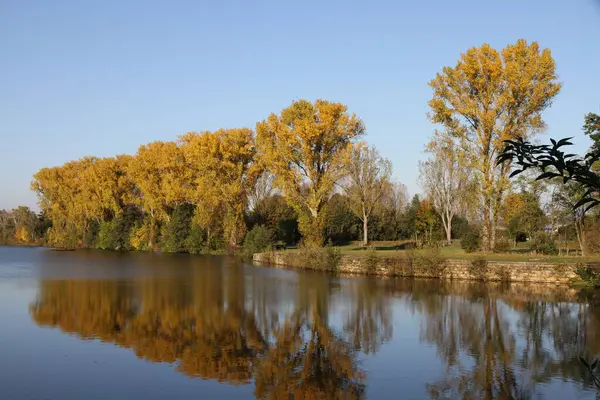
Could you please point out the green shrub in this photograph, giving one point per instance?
(589, 275)
(115, 234)
(333, 256)
(460, 226)
(544, 243)
(259, 239)
(195, 242)
(324, 258)
(470, 240)
(177, 229)
(103, 240)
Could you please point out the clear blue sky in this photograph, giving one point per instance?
(100, 78)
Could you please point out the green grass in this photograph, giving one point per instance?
(521, 253)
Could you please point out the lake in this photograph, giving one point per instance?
(104, 325)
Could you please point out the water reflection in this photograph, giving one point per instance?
(304, 335)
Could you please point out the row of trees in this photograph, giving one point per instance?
(22, 226)
(195, 194)
(309, 169)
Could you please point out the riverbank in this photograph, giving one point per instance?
(427, 265)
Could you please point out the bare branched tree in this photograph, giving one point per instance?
(368, 179)
(445, 178)
(262, 189)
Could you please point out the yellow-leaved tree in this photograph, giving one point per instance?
(220, 172)
(488, 97)
(158, 171)
(306, 148)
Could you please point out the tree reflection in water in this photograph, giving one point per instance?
(209, 327)
(220, 322)
(499, 344)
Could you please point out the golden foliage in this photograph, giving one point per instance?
(488, 97)
(220, 174)
(306, 148)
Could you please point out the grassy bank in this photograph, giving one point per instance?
(401, 249)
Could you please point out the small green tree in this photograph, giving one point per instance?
(259, 239)
(177, 229)
(471, 240)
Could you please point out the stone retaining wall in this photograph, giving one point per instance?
(423, 267)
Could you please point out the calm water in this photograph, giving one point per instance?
(101, 325)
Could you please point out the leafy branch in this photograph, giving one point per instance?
(552, 162)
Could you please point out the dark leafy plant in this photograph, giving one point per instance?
(588, 275)
(552, 162)
(470, 240)
(259, 239)
(543, 242)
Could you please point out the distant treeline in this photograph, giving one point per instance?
(21, 226)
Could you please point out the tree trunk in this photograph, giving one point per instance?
(486, 231)
(365, 230)
(208, 238)
(447, 222)
(492, 235)
(151, 235)
(580, 231)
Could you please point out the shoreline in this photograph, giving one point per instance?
(443, 269)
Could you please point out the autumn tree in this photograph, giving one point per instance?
(20, 224)
(25, 222)
(426, 222)
(522, 214)
(63, 197)
(158, 171)
(445, 178)
(368, 177)
(488, 97)
(308, 144)
(222, 175)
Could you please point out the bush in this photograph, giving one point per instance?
(470, 240)
(590, 276)
(502, 245)
(371, 261)
(429, 263)
(194, 243)
(544, 243)
(259, 239)
(177, 229)
(321, 258)
(479, 269)
(103, 241)
(460, 226)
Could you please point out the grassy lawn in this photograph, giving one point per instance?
(521, 253)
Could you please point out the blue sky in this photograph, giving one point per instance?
(100, 78)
